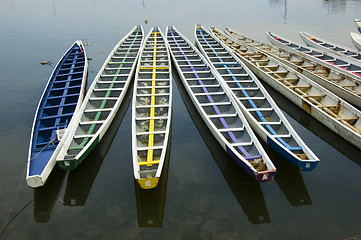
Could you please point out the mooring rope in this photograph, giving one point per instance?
(7, 223)
(51, 142)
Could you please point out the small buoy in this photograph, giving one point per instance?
(44, 62)
(146, 21)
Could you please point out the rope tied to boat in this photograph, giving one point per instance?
(51, 142)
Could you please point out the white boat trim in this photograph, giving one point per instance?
(319, 43)
(279, 134)
(356, 40)
(342, 62)
(329, 109)
(81, 140)
(358, 24)
(338, 81)
(39, 180)
(200, 74)
(151, 109)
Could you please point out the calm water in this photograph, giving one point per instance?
(203, 194)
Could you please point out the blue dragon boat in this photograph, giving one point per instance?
(60, 100)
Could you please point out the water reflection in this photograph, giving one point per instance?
(54, 10)
(151, 202)
(280, 3)
(246, 190)
(335, 6)
(46, 196)
(289, 179)
(80, 181)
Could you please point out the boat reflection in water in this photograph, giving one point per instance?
(46, 195)
(246, 189)
(80, 181)
(290, 180)
(151, 202)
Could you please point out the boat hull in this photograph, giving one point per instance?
(326, 107)
(305, 166)
(311, 109)
(75, 162)
(346, 64)
(262, 113)
(45, 162)
(102, 101)
(358, 24)
(356, 40)
(261, 177)
(61, 100)
(333, 48)
(347, 86)
(151, 110)
(208, 95)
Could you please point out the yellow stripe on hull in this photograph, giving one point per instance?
(153, 68)
(152, 102)
(148, 165)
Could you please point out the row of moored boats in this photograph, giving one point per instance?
(221, 77)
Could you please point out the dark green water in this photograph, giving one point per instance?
(203, 194)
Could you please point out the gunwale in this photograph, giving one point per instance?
(152, 106)
(338, 81)
(204, 86)
(358, 24)
(335, 113)
(279, 134)
(102, 100)
(356, 40)
(342, 62)
(325, 45)
(59, 102)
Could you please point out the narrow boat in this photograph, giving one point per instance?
(218, 109)
(262, 113)
(342, 62)
(326, 107)
(61, 99)
(358, 24)
(151, 110)
(343, 84)
(356, 40)
(322, 44)
(102, 100)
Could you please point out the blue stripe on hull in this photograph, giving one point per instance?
(282, 152)
(240, 162)
(267, 177)
(303, 165)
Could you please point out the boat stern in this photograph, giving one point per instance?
(266, 176)
(35, 181)
(307, 166)
(148, 183)
(69, 164)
